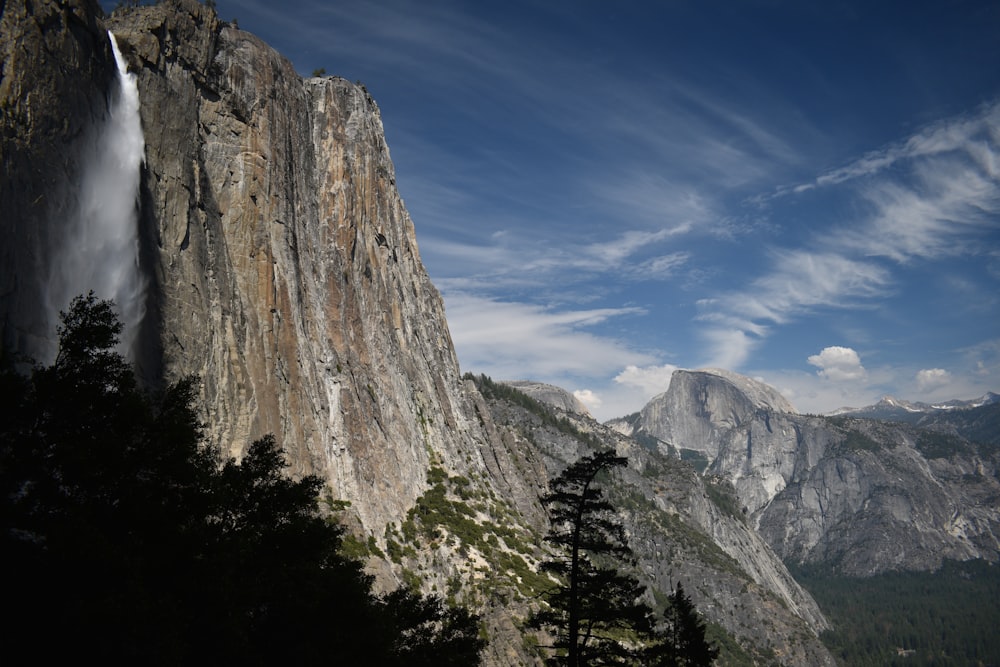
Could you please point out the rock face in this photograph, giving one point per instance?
(880, 498)
(552, 395)
(862, 495)
(685, 527)
(283, 267)
(699, 406)
(287, 269)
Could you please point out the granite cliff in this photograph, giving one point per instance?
(682, 526)
(284, 268)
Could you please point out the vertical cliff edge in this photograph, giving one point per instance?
(285, 265)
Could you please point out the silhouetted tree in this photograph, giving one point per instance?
(127, 540)
(595, 613)
(681, 641)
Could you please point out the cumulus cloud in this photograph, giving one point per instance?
(929, 379)
(838, 364)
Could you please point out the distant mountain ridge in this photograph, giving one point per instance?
(861, 495)
(892, 408)
(977, 420)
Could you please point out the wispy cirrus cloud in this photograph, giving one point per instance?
(950, 204)
(797, 282)
(935, 195)
(966, 134)
(502, 339)
(515, 261)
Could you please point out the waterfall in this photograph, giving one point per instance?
(99, 247)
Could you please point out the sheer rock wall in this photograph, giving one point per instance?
(286, 267)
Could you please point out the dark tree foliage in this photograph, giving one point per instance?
(681, 641)
(126, 540)
(947, 617)
(595, 614)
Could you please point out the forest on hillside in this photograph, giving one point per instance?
(947, 617)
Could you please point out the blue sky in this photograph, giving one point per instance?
(806, 193)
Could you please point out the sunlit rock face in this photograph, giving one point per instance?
(699, 406)
(870, 501)
(287, 272)
(551, 395)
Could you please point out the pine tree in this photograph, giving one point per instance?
(681, 642)
(595, 612)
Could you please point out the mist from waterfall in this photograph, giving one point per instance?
(99, 247)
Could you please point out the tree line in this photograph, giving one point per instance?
(946, 617)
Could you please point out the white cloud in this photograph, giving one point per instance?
(964, 133)
(728, 348)
(661, 267)
(929, 379)
(652, 380)
(798, 282)
(509, 260)
(838, 364)
(618, 250)
(626, 392)
(940, 215)
(801, 279)
(588, 398)
(812, 394)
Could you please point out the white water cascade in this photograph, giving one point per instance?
(99, 248)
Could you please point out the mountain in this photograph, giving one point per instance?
(278, 264)
(977, 420)
(682, 527)
(282, 266)
(700, 406)
(860, 495)
(894, 409)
